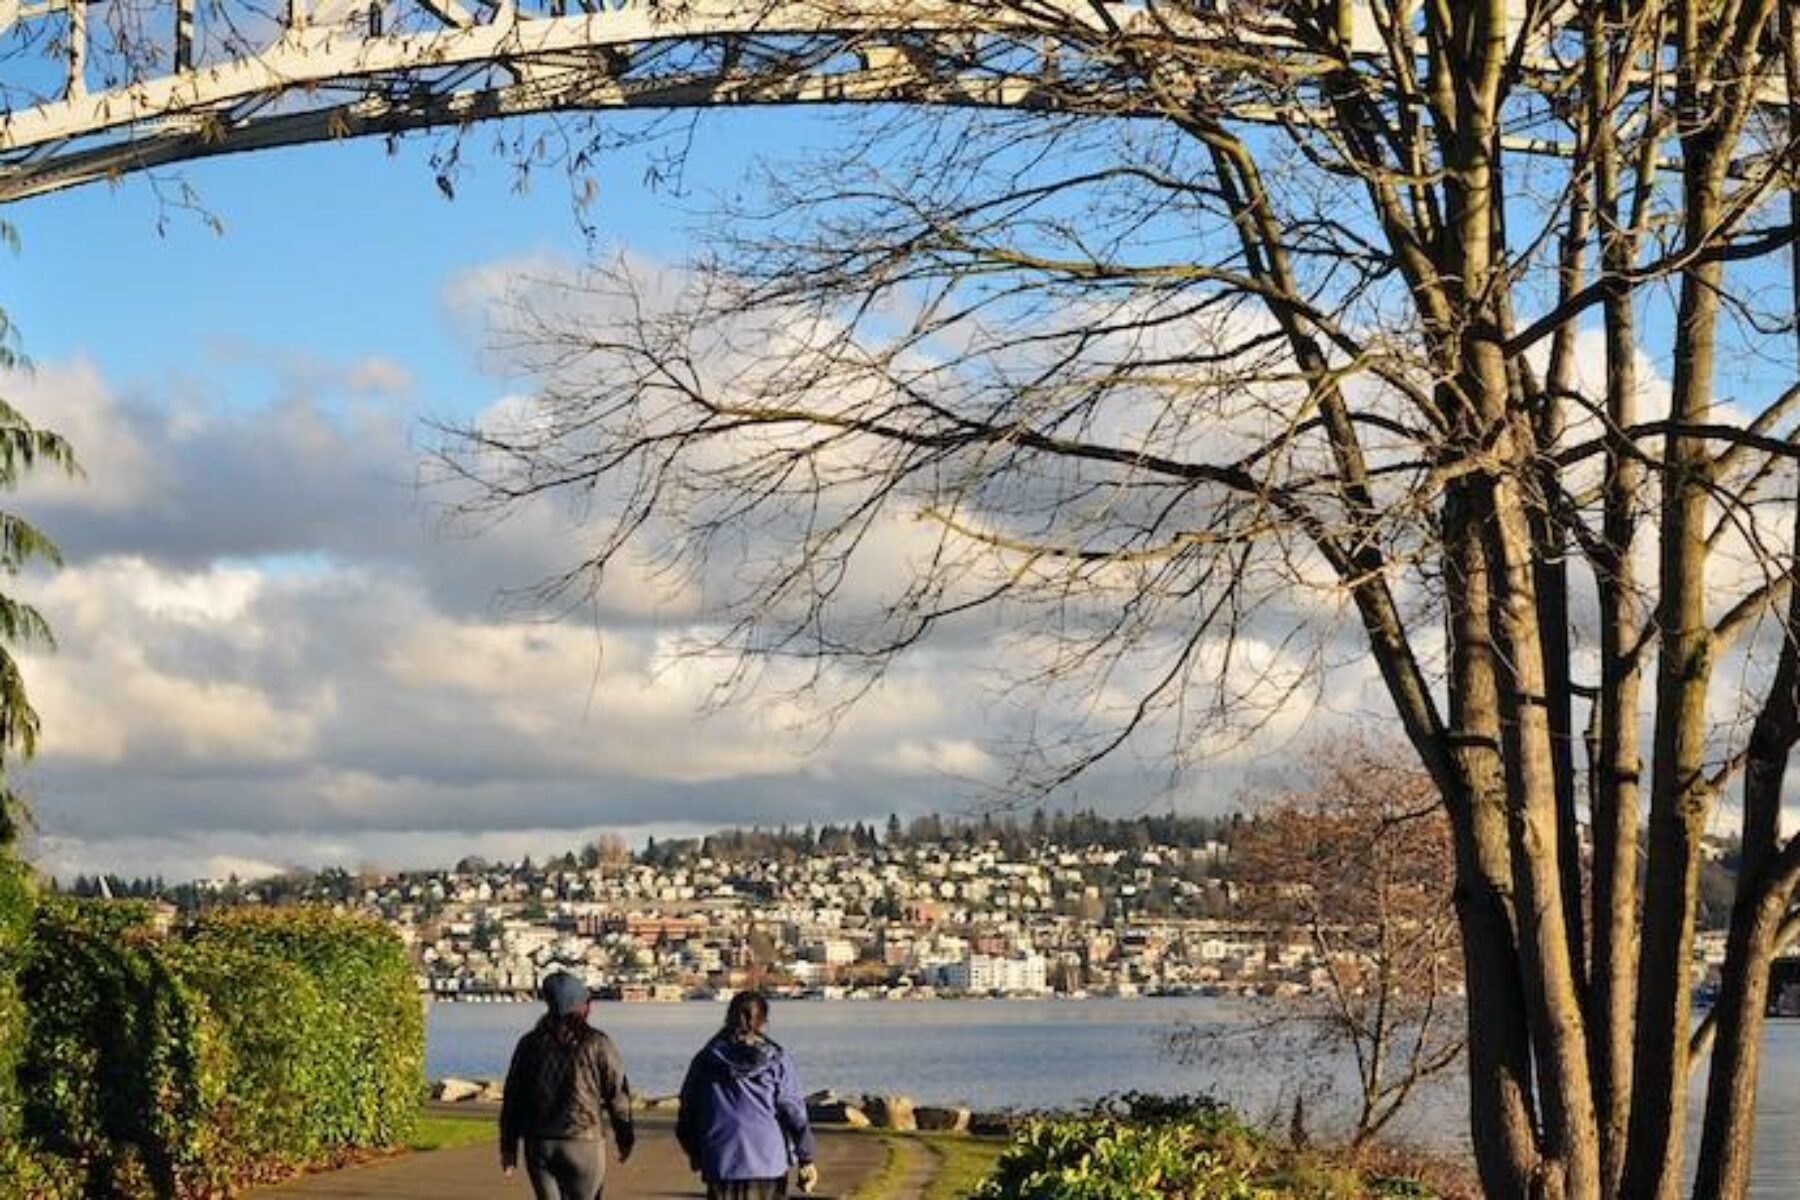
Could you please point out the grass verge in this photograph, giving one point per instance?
(885, 1182)
(963, 1162)
(952, 1164)
(447, 1131)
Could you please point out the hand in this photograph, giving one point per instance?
(809, 1177)
(508, 1169)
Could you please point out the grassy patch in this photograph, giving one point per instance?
(447, 1131)
(901, 1154)
(955, 1163)
(963, 1162)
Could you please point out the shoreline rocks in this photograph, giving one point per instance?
(892, 1113)
(994, 1124)
(933, 1118)
(455, 1091)
(833, 1111)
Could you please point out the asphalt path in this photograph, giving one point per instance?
(657, 1171)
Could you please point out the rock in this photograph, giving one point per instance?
(992, 1124)
(455, 1091)
(492, 1091)
(892, 1112)
(661, 1103)
(934, 1119)
(837, 1113)
(823, 1096)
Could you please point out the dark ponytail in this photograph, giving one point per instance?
(746, 1016)
(565, 1030)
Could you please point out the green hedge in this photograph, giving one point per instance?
(328, 1033)
(22, 1173)
(16, 904)
(254, 1044)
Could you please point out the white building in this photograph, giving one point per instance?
(981, 973)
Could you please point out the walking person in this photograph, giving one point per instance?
(743, 1121)
(565, 1076)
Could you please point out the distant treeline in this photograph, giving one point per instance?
(118, 887)
(1016, 836)
(1013, 835)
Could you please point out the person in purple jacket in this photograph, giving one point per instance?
(743, 1119)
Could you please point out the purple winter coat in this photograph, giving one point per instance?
(742, 1114)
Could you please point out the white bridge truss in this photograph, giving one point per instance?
(124, 85)
(96, 89)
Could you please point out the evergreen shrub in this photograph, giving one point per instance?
(246, 1047)
(16, 904)
(22, 1172)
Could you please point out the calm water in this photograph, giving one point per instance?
(1033, 1054)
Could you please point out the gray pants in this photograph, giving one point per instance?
(566, 1168)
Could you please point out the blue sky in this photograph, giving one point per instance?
(338, 249)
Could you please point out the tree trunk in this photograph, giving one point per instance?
(1679, 796)
(1553, 1000)
(1615, 769)
(1763, 896)
(1511, 649)
(1551, 559)
(1502, 1124)
(1728, 1135)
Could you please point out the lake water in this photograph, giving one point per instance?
(1036, 1054)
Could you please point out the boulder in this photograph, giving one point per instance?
(455, 1091)
(823, 1096)
(992, 1124)
(492, 1091)
(892, 1112)
(661, 1103)
(837, 1113)
(935, 1119)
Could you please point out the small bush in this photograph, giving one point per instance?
(1195, 1109)
(1144, 1147)
(248, 1047)
(1104, 1158)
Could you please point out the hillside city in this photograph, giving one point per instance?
(1071, 905)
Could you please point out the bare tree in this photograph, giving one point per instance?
(1245, 319)
(1359, 860)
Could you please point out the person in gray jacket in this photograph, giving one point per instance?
(565, 1075)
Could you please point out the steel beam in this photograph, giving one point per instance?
(316, 77)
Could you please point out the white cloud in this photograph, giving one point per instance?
(950, 757)
(379, 376)
(273, 652)
(72, 399)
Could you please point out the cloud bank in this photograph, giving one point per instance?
(276, 651)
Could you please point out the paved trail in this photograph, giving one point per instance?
(656, 1171)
